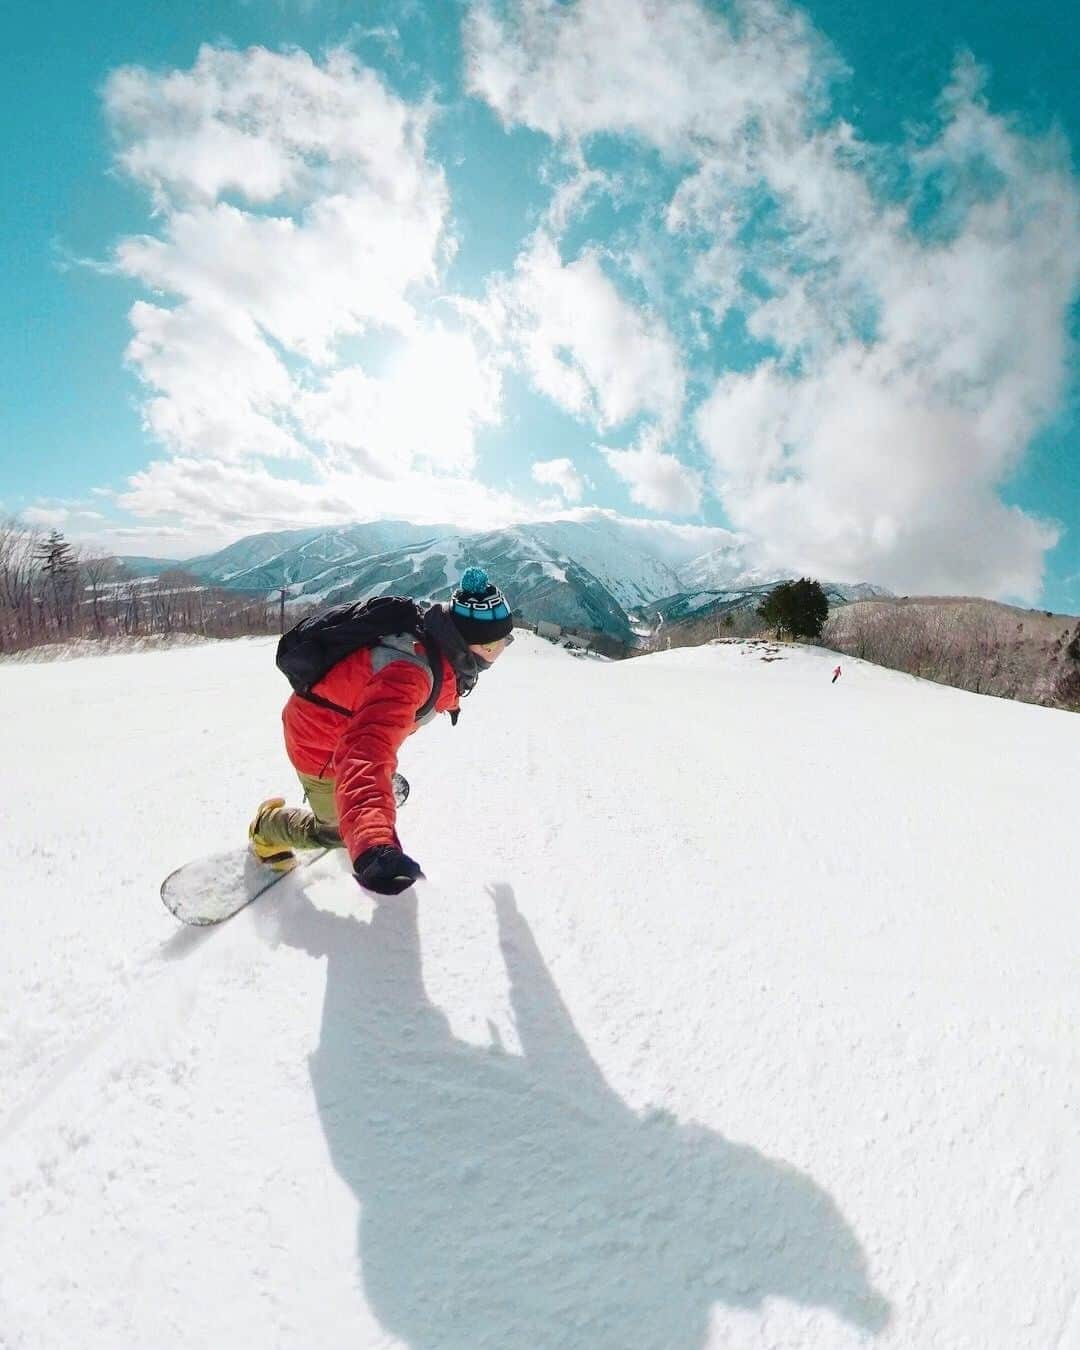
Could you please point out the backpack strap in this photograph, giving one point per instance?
(434, 656)
(321, 702)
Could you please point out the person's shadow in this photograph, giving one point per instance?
(514, 1202)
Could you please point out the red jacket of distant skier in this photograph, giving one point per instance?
(360, 752)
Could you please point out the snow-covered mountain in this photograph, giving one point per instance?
(593, 570)
(738, 1009)
(721, 569)
(298, 557)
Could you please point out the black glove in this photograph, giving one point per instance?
(386, 870)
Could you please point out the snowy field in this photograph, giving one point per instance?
(739, 1010)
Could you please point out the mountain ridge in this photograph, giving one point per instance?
(597, 571)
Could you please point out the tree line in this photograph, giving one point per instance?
(972, 644)
(977, 645)
(52, 591)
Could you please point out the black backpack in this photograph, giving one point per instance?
(311, 649)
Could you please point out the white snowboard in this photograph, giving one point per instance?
(212, 889)
(216, 888)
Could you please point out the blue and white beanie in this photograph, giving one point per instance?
(479, 609)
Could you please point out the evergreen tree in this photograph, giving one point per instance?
(59, 566)
(775, 608)
(797, 608)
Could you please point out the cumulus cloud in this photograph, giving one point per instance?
(857, 473)
(215, 386)
(562, 474)
(584, 344)
(424, 410)
(265, 125)
(914, 346)
(298, 207)
(342, 209)
(671, 73)
(659, 481)
(912, 371)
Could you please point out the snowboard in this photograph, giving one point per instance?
(213, 889)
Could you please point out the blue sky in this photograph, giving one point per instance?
(804, 274)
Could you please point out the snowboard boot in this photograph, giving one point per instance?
(273, 855)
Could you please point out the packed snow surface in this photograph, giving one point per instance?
(739, 1010)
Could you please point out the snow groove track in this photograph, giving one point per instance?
(153, 996)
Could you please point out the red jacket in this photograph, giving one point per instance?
(384, 686)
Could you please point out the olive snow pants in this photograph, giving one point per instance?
(293, 827)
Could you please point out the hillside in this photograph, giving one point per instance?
(737, 1010)
(967, 642)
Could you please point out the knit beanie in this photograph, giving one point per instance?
(479, 609)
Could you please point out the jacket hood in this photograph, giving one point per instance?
(464, 663)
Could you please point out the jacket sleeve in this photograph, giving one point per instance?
(366, 755)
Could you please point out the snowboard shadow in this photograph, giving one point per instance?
(514, 1201)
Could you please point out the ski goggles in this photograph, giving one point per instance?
(498, 642)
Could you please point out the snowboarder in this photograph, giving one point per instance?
(835, 675)
(346, 764)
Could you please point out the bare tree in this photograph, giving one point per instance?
(18, 579)
(100, 575)
(976, 645)
(47, 589)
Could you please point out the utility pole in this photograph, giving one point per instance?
(284, 593)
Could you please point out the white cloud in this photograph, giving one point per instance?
(216, 388)
(298, 206)
(657, 480)
(925, 365)
(426, 408)
(53, 513)
(671, 73)
(912, 365)
(586, 346)
(358, 208)
(45, 517)
(562, 474)
(575, 192)
(860, 473)
(265, 125)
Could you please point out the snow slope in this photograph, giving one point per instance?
(739, 1010)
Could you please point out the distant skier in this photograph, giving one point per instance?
(835, 675)
(346, 763)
